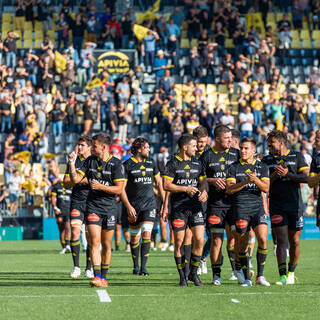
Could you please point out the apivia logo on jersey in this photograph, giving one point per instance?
(114, 61)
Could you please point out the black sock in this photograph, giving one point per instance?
(97, 271)
(216, 269)
(104, 270)
(135, 254)
(238, 266)
(232, 258)
(244, 261)
(249, 252)
(88, 256)
(282, 267)
(67, 241)
(291, 267)
(75, 250)
(179, 267)
(187, 257)
(63, 244)
(145, 249)
(261, 260)
(117, 247)
(195, 263)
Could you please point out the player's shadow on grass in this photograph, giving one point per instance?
(31, 251)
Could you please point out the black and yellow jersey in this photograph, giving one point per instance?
(314, 170)
(80, 191)
(140, 179)
(215, 166)
(184, 173)
(248, 199)
(107, 173)
(63, 196)
(284, 193)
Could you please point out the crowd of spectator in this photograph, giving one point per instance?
(187, 75)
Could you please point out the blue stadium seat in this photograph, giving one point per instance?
(296, 61)
(307, 61)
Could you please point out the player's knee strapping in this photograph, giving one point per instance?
(135, 232)
(146, 227)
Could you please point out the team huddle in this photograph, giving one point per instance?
(202, 189)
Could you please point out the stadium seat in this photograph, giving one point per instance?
(19, 45)
(38, 35)
(307, 61)
(306, 44)
(279, 16)
(27, 35)
(295, 43)
(316, 44)
(27, 44)
(194, 43)
(315, 35)
(37, 43)
(296, 61)
(270, 18)
(295, 34)
(293, 53)
(38, 25)
(211, 88)
(184, 43)
(229, 43)
(28, 25)
(6, 17)
(303, 89)
(304, 35)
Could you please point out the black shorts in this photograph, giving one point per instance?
(217, 218)
(107, 222)
(189, 217)
(145, 215)
(124, 218)
(119, 212)
(292, 219)
(243, 221)
(62, 218)
(77, 210)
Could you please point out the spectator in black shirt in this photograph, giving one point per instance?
(240, 74)
(195, 63)
(78, 27)
(284, 23)
(193, 25)
(9, 46)
(30, 63)
(5, 111)
(112, 120)
(126, 27)
(9, 79)
(57, 116)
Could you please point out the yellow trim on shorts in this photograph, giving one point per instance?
(53, 194)
(231, 179)
(116, 180)
(157, 174)
(312, 174)
(303, 168)
(265, 178)
(202, 177)
(169, 178)
(67, 175)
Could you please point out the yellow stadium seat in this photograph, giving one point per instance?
(305, 25)
(212, 98)
(184, 44)
(184, 33)
(52, 35)
(6, 17)
(202, 86)
(316, 35)
(305, 35)
(270, 18)
(28, 25)
(185, 25)
(222, 88)
(211, 88)
(37, 43)
(27, 44)
(295, 34)
(296, 44)
(279, 16)
(38, 35)
(194, 43)
(316, 44)
(27, 35)
(306, 44)
(38, 25)
(229, 43)
(19, 45)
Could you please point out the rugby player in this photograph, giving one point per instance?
(219, 213)
(79, 196)
(314, 175)
(246, 180)
(105, 175)
(185, 180)
(60, 200)
(140, 201)
(287, 170)
(201, 133)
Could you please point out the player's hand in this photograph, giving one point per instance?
(72, 157)
(191, 191)
(281, 171)
(164, 212)
(203, 196)
(57, 211)
(252, 176)
(95, 185)
(219, 183)
(132, 214)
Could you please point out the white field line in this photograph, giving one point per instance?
(163, 295)
(103, 296)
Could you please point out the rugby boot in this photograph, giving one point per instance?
(216, 280)
(95, 282)
(233, 276)
(183, 283)
(282, 281)
(195, 279)
(104, 283)
(247, 283)
(290, 278)
(89, 273)
(76, 273)
(262, 281)
(240, 277)
(143, 272)
(135, 271)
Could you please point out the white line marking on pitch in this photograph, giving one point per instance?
(103, 296)
(160, 295)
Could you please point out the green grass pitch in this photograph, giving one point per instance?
(35, 284)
